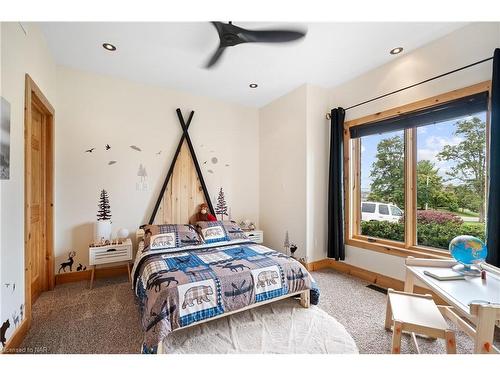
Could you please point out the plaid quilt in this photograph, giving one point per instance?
(176, 289)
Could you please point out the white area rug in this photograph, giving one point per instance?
(280, 328)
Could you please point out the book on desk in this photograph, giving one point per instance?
(444, 274)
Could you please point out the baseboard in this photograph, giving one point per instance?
(17, 337)
(105, 272)
(370, 276)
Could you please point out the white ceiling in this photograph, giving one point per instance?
(173, 54)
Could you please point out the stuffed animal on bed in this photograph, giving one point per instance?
(203, 214)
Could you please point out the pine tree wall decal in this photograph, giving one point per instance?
(104, 212)
(142, 172)
(221, 208)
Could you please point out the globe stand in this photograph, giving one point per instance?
(467, 270)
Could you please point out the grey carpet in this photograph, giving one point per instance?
(74, 319)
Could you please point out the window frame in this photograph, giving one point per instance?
(352, 175)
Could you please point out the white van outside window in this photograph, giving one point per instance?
(379, 211)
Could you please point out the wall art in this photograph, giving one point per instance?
(4, 139)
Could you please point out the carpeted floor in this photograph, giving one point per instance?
(74, 319)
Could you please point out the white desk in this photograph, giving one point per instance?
(473, 298)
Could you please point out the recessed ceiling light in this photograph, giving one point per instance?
(396, 50)
(253, 85)
(109, 47)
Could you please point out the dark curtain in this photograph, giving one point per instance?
(493, 224)
(336, 248)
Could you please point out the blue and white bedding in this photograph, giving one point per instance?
(178, 287)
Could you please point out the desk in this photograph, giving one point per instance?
(475, 299)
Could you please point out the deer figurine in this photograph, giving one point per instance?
(69, 263)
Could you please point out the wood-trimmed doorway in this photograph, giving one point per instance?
(39, 118)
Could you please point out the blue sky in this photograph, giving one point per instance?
(430, 141)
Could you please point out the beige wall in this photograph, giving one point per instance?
(464, 46)
(21, 53)
(283, 170)
(293, 171)
(317, 156)
(95, 110)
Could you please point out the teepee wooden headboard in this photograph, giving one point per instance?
(184, 188)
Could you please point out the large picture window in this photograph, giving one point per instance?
(416, 175)
(382, 185)
(451, 180)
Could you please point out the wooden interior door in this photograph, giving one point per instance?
(37, 202)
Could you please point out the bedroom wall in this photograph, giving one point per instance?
(21, 53)
(293, 143)
(95, 110)
(317, 141)
(283, 170)
(464, 46)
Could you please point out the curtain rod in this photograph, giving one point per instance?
(416, 84)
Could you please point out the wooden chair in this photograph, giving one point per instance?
(416, 313)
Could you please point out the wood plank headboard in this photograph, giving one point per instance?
(183, 194)
(184, 189)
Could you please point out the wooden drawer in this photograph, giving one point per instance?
(110, 254)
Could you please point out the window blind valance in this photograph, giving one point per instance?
(454, 109)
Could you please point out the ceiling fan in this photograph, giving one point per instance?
(231, 35)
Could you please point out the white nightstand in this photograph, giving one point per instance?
(255, 235)
(110, 254)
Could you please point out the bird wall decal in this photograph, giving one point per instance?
(90, 150)
(133, 147)
(107, 147)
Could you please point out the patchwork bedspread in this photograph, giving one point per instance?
(176, 289)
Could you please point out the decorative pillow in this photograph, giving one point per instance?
(212, 231)
(234, 231)
(167, 236)
(162, 241)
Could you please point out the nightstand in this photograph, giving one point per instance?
(110, 254)
(255, 235)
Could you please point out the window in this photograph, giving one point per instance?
(416, 175)
(383, 209)
(451, 180)
(369, 208)
(382, 182)
(395, 211)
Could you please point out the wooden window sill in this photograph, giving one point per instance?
(385, 247)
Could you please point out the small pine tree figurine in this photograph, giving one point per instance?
(104, 212)
(286, 244)
(221, 208)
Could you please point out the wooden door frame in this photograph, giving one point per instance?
(33, 95)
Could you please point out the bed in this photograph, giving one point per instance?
(185, 275)
(187, 284)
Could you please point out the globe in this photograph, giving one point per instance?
(468, 250)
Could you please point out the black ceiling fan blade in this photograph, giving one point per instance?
(270, 36)
(232, 35)
(219, 26)
(215, 57)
